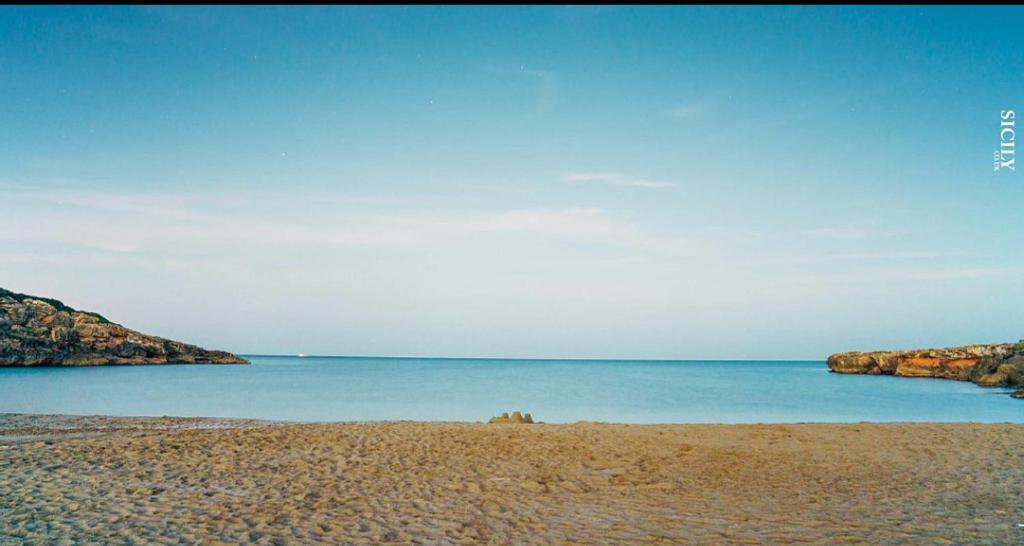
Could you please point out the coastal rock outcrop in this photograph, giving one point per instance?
(994, 365)
(36, 331)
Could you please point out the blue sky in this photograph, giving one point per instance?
(539, 182)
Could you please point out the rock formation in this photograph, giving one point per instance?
(37, 331)
(516, 418)
(997, 365)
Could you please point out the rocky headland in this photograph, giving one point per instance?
(37, 331)
(993, 365)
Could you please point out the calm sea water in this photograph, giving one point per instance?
(361, 389)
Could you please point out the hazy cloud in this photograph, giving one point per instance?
(615, 179)
(138, 223)
(690, 110)
(857, 230)
(545, 82)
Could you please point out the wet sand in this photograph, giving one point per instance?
(66, 480)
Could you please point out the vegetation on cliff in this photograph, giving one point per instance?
(56, 304)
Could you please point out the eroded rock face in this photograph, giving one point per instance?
(996, 365)
(44, 332)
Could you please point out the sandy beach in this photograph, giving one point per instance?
(66, 480)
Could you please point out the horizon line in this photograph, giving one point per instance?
(378, 357)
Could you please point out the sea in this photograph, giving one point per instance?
(323, 389)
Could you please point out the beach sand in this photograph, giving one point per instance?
(212, 481)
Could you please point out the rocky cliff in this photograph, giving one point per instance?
(38, 331)
(997, 365)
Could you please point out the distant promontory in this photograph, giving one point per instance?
(993, 365)
(38, 331)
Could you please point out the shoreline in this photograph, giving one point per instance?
(169, 480)
(59, 424)
(254, 421)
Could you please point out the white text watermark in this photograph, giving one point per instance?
(1006, 156)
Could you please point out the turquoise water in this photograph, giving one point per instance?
(361, 389)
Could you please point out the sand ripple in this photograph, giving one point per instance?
(166, 481)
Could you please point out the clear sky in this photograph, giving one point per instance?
(538, 182)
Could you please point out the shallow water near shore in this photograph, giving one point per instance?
(560, 391)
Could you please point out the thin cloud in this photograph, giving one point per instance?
(891, 275)
(200, 225)
(615, 179)
(870, 257)
(854, 231)
(544, 81)
(689, 111)
(908, 255)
